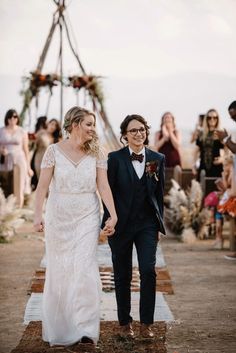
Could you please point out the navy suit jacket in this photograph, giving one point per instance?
(121, 178)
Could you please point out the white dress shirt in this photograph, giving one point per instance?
(139, 167)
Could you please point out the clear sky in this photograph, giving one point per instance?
(155, 55)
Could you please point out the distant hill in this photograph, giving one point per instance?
(186, 95)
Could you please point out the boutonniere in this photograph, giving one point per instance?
(152, 169)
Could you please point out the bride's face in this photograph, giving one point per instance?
(86, 128)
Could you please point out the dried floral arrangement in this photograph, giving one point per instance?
(184, 211)
(89, 82)
(37, 80)
(10, 217)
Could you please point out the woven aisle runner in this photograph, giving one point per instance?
(164, 284)
(109, 342)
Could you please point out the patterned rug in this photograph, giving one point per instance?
(164, 284)
(110, 341)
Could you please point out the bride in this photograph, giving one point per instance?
(74, 169)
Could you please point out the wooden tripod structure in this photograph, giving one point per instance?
(85, 81)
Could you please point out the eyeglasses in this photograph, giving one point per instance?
(212, 117)
(134, 131)
(14, 116)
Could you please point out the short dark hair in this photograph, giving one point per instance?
(9, 114)
(232, 105)
(127, 120)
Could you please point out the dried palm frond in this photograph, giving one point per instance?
(184, 209)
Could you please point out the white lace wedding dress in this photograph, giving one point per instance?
(71, 298)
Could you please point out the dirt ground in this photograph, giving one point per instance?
(204, 303)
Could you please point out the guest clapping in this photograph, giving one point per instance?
(168, 140)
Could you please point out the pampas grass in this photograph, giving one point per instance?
(184, 214)
(188, 236)
(10, 217)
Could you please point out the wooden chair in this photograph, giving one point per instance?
(183, 177)
(207, 183)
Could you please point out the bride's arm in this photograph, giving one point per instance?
(107, 198)
(41, 192)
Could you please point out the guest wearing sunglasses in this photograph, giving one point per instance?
(136, 178)
(14, 144)
(209, 147)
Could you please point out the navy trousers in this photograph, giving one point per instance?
(143, 234)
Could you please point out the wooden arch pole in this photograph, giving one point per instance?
(32, 91)
(28, 94)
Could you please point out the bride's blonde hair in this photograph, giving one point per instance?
(76, 115)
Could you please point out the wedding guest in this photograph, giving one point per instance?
(14, 142)
(224, 185)
(198, 129)
(74, 168)
(41, 125)
(45, 137)
(231, 144)
(168, 140)
(136, 178)
(209, 147)
(223, 134)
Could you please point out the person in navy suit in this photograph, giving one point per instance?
(136, 178)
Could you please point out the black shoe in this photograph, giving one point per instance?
(86, 340)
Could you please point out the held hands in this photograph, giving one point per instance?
(109, 228)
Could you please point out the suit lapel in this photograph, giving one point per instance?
(128, 163)
(148, 155)
(148, 179)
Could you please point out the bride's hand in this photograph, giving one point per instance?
(111, 222)
(109, 228)
(30, 172)
(38, 225)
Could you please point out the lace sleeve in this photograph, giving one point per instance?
(102, 159)
(48, 158)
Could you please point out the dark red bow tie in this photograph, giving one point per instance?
(137, 157)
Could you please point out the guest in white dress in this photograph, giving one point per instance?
(74, 168)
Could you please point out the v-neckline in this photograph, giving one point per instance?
(75, 164)
(11, 133)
